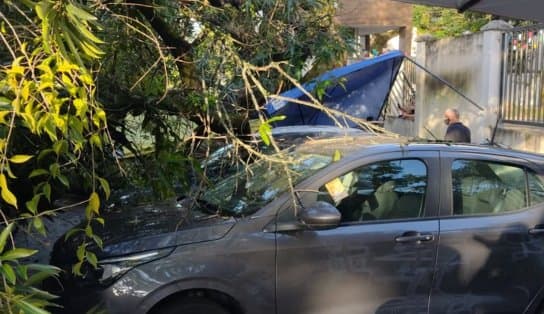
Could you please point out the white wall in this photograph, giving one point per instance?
(472, 64)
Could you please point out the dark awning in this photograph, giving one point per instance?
(362, 92)
(532, 10)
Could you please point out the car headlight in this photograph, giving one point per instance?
(113, 268)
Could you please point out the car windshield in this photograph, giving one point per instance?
(244, 193)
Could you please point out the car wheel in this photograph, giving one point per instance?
(191, 305)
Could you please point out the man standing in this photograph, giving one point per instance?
(456, 132)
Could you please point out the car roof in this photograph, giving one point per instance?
(352, 145)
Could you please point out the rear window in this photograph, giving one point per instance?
(536, 188)
(483, 187)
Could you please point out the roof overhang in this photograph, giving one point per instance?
(532, 10)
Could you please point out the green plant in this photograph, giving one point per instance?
(50, 121)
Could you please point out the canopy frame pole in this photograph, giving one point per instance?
(391, 83)
(448, 84)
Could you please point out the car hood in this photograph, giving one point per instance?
(132, 229)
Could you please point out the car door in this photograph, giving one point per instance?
(491, 252)
(380, 258)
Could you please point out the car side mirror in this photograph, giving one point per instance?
(320, 215)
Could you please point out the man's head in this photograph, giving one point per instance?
(451, 116)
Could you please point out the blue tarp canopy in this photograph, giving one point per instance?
(360, 90)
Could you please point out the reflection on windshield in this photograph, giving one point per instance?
(244, 193)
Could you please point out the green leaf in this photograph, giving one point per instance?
(22, 271)
(80, 252)
(64, 180)
(94, 203)
(38, 277)
(54, 169)
(71, 232)
(37, 222)
(79, 12)
(89, 230)
(9, 172)
(50, 129)
(264, 130)
(5, 101)
(9, 273)
(60, 147)
(17, 254)
(6, 193)
(98, 241)
(32, 205)
(43, 295)
(3, 115)
(38, 172)
(19, 159)
(76, 268)
(100, 220)
(87, 79)
(47, 191)
(91, 257)
(4, 236)
(105, 186)
(42, 9)
(96, 141)
(44, 153)
(29, 308)
(50, 269)
(276, 119)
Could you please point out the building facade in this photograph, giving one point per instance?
(368, 17)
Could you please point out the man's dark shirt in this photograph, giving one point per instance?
(457, 133)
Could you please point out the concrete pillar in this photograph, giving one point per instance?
(492, 59)
(490, 95)
(405, 39)
(421, 104)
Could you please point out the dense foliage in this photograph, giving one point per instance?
(440, 22)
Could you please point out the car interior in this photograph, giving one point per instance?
(484, 188)
(362, 200)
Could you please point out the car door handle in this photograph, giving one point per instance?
(414, 238)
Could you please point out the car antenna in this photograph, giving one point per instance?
(429, 131)
(493, 135)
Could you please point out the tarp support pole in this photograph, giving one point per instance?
(445, 83)
(391, 83)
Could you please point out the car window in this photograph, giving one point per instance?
(482, 187)
(379, 191)
(246, 192)
(536, 188)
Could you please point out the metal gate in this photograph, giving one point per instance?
(522, 96)
(402, 95)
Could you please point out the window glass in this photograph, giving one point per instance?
(244, 193)
(384, 190)
(536, 188)
(481, 187)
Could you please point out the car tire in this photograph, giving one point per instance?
(191, 305)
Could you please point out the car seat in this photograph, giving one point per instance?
(407, 206)
(511, 199)
(479, 195)
(385, 197)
